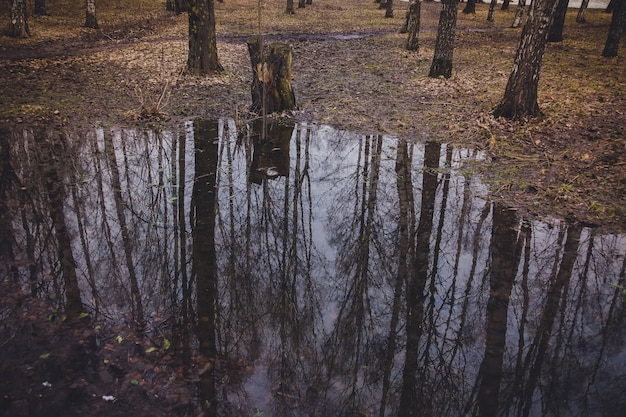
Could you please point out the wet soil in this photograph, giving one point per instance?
(570, 163)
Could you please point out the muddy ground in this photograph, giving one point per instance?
(350, 71)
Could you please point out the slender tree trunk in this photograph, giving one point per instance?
(520, 95)
(556, 30)
(203, 58)
(492, 10)
(519, 14)
(301, 4)
(413, 26)
(505, 5)
(580, 18)
(389, 9)
(90, 15)
(40, 8)
(18, 26)
(615, 31)
(470, 7)
(444, 46)
(290, 9)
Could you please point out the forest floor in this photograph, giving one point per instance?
(351, 71)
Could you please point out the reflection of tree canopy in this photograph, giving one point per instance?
(366, 277)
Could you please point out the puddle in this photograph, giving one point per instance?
(310, 271)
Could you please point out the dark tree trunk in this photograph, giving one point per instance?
(444, 46)
(492, 10)
(505, 5)
(389, 9)
(301, 4)
(177, 6)
(413, 26)
(520, 95)
(580, 18)
(519, 14)
(556, 30)
(40, 8)
(290, 9)
(18, 26)
(615, 31)
(309, 1)
(91, 21)
(470, 7)
(611, 6)
(271, 77)
(202, 40)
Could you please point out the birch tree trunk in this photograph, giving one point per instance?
(90, 14)
(444, 46)
(202, 59)
(520, 95)
(18, 26)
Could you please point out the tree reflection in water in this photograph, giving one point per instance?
(300, 270)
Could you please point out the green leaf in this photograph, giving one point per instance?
(151, 349)
(134, 382)
(166, 344)
(119, 339)
(44, 355)
(83, 315)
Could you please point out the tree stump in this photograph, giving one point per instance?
(271, 77)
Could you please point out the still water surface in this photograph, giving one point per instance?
(324, 273)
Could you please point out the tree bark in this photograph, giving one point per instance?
(413, 25)
(389, 9)
(40, 8)
(470, 7)
(301, 4)
(505, 5)
(290, 9)
(615, 31)
(520, 95)
(202, 58)
(580, 18)
(444, 46)
(271, 77)
(556, 30)
(91, 21)
(18, 26)
(492, 10)
(519, 14)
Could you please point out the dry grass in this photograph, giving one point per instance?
(566, 163)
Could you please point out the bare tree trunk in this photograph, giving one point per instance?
(301, 4)
(203, 58)
(389, 9)
(289, 9)
(18, 26)
(470, 7)
(580, 18)
(413, 26)
(615, 31)
(520, 95)
(519, 14)
(90, 14)
(556, 30)
(444, 46)
(492, 10)
(505, 5)
(40, 8)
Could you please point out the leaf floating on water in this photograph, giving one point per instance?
(151, 349)
(119, 339)
(166, 344)
(44, 355)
